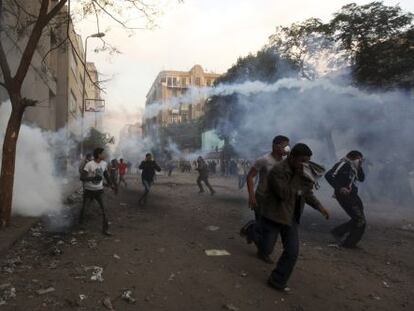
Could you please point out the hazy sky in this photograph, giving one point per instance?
(211, 33)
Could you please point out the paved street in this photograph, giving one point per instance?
(156, 259)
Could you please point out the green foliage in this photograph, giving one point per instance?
(97, 139)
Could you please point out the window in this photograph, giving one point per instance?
(73, 62)
(198, 81)
(183, 81)
(73, 102)
(169, 81)
(163, 79)
(174, 81)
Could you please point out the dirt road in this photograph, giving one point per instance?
(157, 258)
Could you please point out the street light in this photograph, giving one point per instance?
(95, 35)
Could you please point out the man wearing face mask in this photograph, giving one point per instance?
(252, 230)
(289, 188)
(343, 177)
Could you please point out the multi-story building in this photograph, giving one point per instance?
(173, 84)
(40, 82)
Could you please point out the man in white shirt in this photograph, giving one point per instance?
(92, 175)
(252, 230)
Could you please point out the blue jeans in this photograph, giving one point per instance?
(266, 240)
(147, 187)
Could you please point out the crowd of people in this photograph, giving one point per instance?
(279, 185)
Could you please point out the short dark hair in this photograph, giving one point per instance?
(148, 155)
(97, 152)
(121, 160)
(354, 154)
(89, 155)
(300, 150)
(280, 139)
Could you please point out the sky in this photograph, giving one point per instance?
(212, 33)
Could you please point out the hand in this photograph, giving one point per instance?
(344, 191)
(324, 212)
(252, 201)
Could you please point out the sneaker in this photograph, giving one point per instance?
(245, 229)
(274, 285)
(107, 233)
(337, 237)
(265, 258)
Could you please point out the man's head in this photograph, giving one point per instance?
(148, 157)
(300, 154)
(98, 154)
(89, 157)
(280, 146)
(200, 159)
(121, 160)
(355, 156)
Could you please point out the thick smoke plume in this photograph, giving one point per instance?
(37, 189)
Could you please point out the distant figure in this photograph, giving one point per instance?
(203, 172)
(343, 177)
(113, 174)
(92, 175)
(122, 169)
(148, 167)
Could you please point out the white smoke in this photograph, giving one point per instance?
(37, 191)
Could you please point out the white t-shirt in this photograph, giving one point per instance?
(263, 165)
(95, 169)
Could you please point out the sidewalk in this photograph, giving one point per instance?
(20, 225)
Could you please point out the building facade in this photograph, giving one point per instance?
(170, 85)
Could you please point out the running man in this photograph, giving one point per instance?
(92, 175)
(122, 169)
(203, 173)
(148, 167)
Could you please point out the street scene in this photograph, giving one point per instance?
(192, 155)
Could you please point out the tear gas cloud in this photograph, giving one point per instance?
(37, 189)
(329, 114)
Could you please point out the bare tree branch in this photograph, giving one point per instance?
(123, 24)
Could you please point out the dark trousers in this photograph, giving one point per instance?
(147, 187)
(122, 179)
(205, 180)
(266, 240)
(355, 227)
(88, 197)
(242, 181)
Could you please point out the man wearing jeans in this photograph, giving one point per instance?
(287, 192)
(148, 167)
(92, 175)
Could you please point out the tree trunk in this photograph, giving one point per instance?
(9, 160)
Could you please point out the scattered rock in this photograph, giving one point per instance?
(408, 227)
(171, 278)
(116, 257)
(108, 304)
(96, 273)
(45, 291)
(230, 307)
(127, 296)
(243, 274)
(212, 228)
(92, 244)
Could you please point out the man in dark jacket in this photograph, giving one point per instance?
(343, 178)
(203, 173)
(288, 190)
(148, 167)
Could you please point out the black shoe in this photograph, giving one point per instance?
(277, 286)
(265, 258)
(337, 237)
(213, 192)
(245, 229)
(107, 232)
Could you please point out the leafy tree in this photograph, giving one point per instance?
(34, 20)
